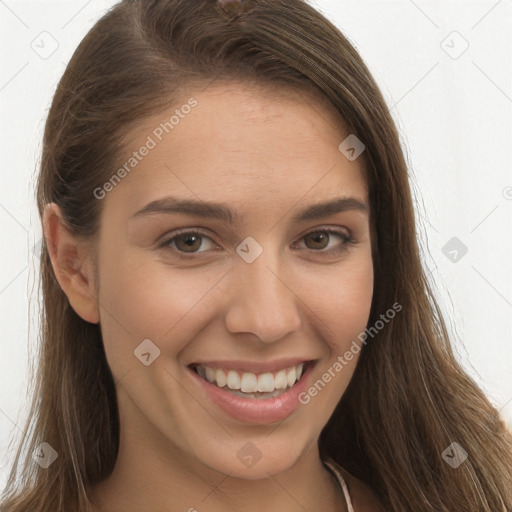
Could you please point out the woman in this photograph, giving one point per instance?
(235, 312)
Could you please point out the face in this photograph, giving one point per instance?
(226, 292)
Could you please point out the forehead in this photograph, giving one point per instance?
(250, 145)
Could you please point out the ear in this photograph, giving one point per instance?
(72, 263)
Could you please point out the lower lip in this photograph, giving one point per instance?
(256, 410)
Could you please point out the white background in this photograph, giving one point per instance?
(454, 116)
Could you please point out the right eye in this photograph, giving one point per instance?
(185, 242)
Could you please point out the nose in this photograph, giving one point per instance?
(263, 302)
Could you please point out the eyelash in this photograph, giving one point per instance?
(346, 240)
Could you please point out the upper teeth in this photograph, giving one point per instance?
(249, 382)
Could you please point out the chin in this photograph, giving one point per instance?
(253, 459)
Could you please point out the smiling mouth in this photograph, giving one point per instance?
(252, 385)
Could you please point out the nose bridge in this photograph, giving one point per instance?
(262, 302)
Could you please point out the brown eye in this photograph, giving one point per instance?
(318, 240)
(325, 241)
(191, 242)
(188, 242)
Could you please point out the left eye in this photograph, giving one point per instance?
(319, 240)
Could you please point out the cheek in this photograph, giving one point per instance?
(342, 299)
(342, 313)
(141, 298)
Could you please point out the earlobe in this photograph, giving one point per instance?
(71, 262)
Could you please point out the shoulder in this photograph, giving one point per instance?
(363, 498)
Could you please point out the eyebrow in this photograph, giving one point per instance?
(219, 211)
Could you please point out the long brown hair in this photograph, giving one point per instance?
(408, 400)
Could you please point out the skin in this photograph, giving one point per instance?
(267, 156)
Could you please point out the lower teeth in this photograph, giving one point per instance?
(259, 395)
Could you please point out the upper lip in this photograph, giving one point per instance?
(254, 366)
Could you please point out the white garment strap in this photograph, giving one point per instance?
(332, 467)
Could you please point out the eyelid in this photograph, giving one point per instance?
(336, 230)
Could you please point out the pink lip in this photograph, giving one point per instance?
(254, 410)
(253, 366)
